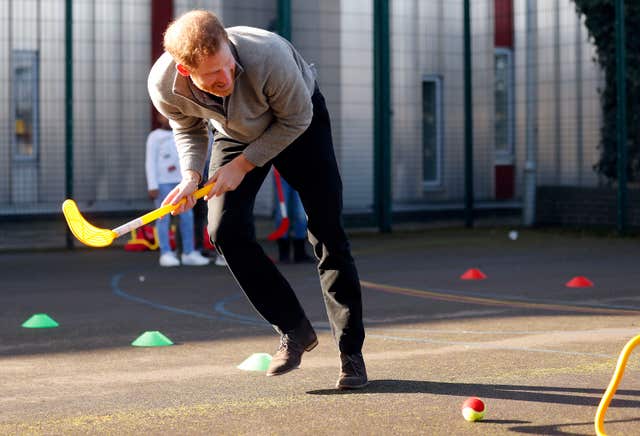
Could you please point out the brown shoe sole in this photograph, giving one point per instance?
(351, 387)
(312, 345)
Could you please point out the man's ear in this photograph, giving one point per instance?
(182, 70)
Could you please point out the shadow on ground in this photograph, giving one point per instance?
(540, 394)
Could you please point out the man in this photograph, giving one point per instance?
(262, 99)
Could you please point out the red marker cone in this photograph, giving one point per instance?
(579, 282)
(473, 274)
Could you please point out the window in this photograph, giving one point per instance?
(503, 97)
(431, 131)
(24, 104)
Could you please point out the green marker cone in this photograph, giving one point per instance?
(152, 339)
(40, 321)
(256, 362)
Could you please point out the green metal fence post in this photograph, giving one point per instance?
(621, 117)
(68, 39)
(468, 120)
(284, 18)
(382, 115)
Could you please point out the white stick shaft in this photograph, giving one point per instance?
(126, 228)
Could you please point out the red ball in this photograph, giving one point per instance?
(473, 409)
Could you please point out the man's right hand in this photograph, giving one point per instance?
(184, 189)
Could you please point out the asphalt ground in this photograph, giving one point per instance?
(538, 353)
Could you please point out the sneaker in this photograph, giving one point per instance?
(169, 259)
(292, 345)
(353, 374)
(220, 260)
(194, 259)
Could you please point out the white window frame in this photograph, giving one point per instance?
(429, 185)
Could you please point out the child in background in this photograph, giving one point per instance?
(163, 174)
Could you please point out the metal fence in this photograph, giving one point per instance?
(422, 126)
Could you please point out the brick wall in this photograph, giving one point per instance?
(577, 206)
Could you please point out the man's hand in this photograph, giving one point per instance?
(153, 193)
(229, 176)
(185, 189)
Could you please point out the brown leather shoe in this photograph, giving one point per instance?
(292, 345)
(353, 374)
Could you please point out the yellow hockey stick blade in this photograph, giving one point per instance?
(97, 237)
(83, 230)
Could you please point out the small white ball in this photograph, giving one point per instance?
(141, 278)
(513, 235)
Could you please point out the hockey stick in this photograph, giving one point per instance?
(284, 223)
(97, 237)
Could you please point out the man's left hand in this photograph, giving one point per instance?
(229, 176)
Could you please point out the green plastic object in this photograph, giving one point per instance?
(152, 339)
(40, 321)
(256, 362)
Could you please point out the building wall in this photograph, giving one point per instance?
(355, 115)
(111, 106)
(5, 127)
(579, 206)
(568, 107)
(51, 180)
(427, 39)
(118, 89)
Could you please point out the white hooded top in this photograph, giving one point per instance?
(162, 162)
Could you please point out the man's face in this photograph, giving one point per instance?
(215, 73)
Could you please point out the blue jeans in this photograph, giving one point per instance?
(297, 215)
(162, 224)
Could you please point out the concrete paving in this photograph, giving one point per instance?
(538, 353)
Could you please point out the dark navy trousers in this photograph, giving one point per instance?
(310, 167)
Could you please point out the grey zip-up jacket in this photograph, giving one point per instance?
(270, 105)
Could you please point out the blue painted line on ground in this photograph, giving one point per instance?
(220, 308)
(118, 291)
